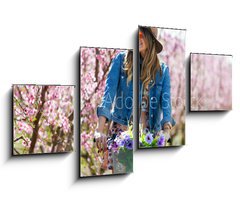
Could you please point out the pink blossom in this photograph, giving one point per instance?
(58, 106)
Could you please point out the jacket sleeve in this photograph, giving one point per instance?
(104, 109)
(166, 99)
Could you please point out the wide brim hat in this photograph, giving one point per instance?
(154, 32)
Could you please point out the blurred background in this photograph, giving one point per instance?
(173, 54)
(211, 82)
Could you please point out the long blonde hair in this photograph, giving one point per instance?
(150, 63)
(128, 65)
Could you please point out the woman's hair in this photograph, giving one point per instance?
(150, 63)
(128, 65)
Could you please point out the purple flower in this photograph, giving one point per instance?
(161, 141)
(149, 138)
(114, 146)
(127, 137)
(129, 144)
(121, 143)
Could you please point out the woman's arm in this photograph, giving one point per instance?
(104, 110)
(111, 88)
(101, 122)
(101, 139)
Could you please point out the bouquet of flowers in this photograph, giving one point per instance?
(148, 139)
(122, 146)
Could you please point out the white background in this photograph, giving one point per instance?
(39, 42)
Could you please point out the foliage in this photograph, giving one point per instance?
(148, 139)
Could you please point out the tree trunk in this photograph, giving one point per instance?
(36, 125)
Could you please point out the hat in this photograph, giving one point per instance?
(154, 32)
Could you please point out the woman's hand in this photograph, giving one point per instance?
(101, 141)
(100, 137)
(166, 129)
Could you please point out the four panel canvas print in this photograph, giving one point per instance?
(161, 78)
(106, 87)
(211, 82)
(43, 114)
(42, 119)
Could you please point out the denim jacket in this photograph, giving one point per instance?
(118, 93)
(160, 109)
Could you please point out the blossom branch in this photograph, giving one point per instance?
(38, 116)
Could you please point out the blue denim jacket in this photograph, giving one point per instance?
(118, 93)
(160, 109)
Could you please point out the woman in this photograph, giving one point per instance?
(155, 95)
(118, 92)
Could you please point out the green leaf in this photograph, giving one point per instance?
(34, 119)
(154, 142)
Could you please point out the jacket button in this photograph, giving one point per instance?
(151, 81)
(122, 76)
(151, 98)
(151, 115)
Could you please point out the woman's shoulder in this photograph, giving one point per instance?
(164, 67)
(121, 54)
(119, 57)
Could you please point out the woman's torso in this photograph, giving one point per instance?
(154, 112)
(123, 104)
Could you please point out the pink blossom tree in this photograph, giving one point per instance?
(43, 119)
(211, 82)
(173, 55)
(94, 67)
